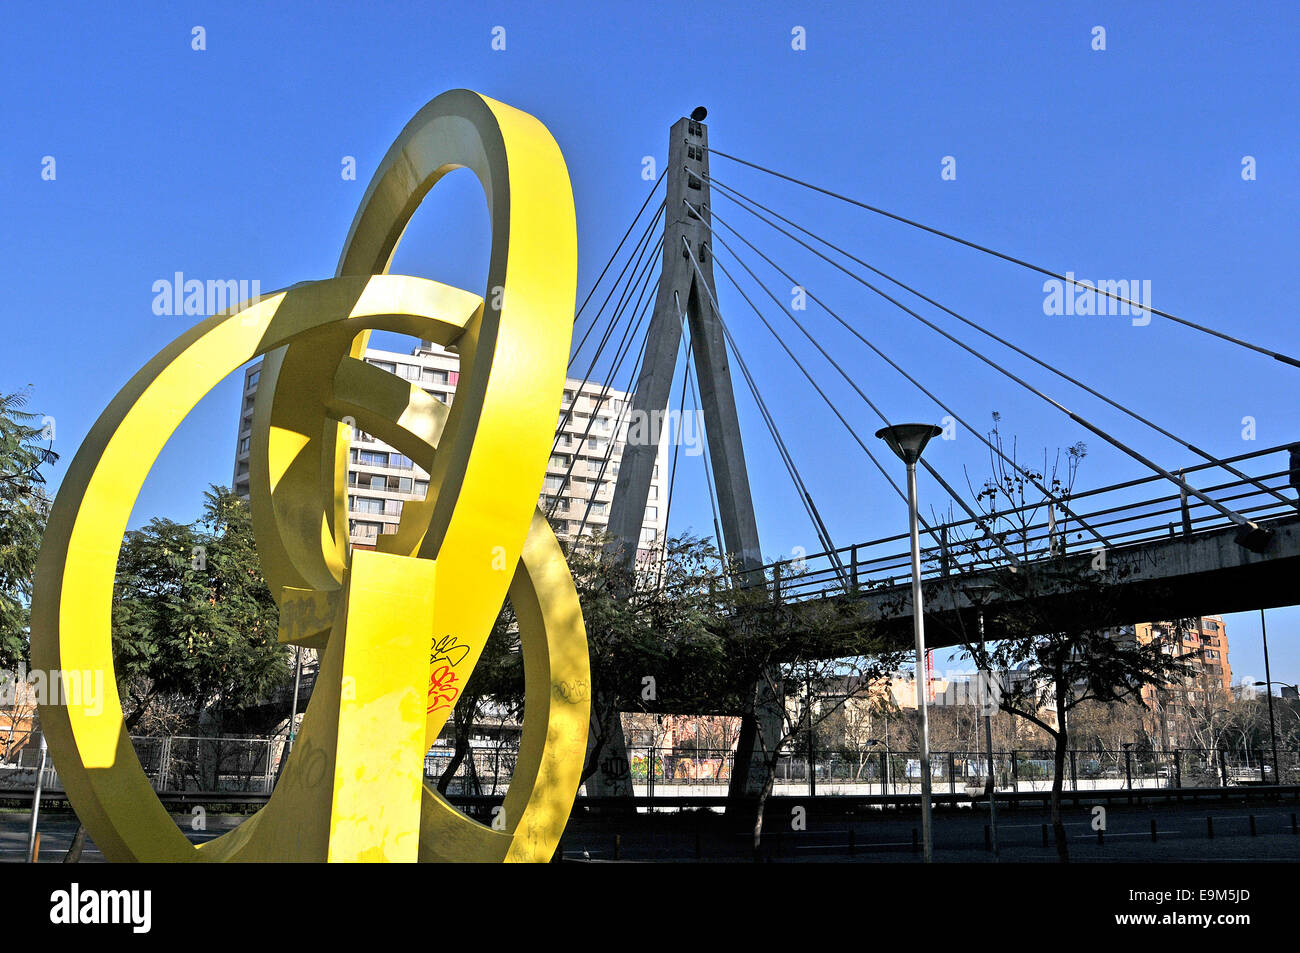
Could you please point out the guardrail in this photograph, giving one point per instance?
(1121, 514)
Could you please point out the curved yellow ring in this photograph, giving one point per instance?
(479, 518)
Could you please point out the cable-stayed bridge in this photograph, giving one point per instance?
(1202, 534)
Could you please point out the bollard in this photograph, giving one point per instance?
(1153, 830)
(1294, 828)
(618, 845)
(1045, 844)
(36, 848)
(1252, 825)
(916, 840)
(1101, 837)
(1209, 827)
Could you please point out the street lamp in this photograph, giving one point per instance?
(884, 780)
(1272, 726)
(978, 593)
(908, 441)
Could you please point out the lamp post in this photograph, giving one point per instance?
(908, 441)
(1277, 772)
(1272, 725)
(978, 593)
(293, 710)
(36, 801)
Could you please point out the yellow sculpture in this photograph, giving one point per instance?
(399, 629)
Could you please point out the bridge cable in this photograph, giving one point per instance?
(672, 473)
(629, 337)
(688, 380)
(708, 459)
(921, 387)
(620, 355)
(1013, 260)
(619, 309)
(740, 199)
(618, 425)
(979, 520)
(801, 488)
(633, 262)
(609, 264)
(1083, 421)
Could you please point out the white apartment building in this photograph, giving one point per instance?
(580, 476)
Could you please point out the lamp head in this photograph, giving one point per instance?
(977, 592)
(908, 440)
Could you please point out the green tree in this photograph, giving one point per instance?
(790, 667)
(1061, 633)
(23, 511)
(193, 619)
(1063, 643)
(656, 640)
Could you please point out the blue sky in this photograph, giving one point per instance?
(1122, 163)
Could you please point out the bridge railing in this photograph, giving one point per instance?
(1107, 518)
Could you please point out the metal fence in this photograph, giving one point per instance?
(667, 771)
(251, 765)
(245, 765)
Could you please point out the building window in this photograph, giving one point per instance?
(243, 444)
(652, 512)
(363, 529)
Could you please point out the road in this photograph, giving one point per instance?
(1182, 836)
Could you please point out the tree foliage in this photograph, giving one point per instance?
(193, 619)
(656, 637)
(1062, 637)
(25, 448)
